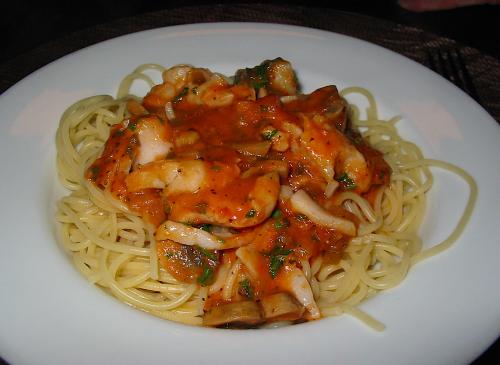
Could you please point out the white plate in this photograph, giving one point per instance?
(446, 312)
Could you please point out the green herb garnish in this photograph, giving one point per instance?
(271, 134)
(206, 276)
(276, 259)
(246, 289)
(132, 126)
(259, 78)
(279, 220)
(277, 214)
(216, 168)
(346, 182)
(256, 77)
(180, 95)
(211, 255)
(281, 223)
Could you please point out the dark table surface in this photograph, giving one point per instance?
(35, 35)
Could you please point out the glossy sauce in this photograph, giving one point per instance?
(222, 136)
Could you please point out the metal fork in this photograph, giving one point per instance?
(450, 64)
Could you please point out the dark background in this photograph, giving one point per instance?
(25, 25)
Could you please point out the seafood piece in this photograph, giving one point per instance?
(213, 93)
(154, 140)
(198, 86)
(170, 175)
(177, 82)
(250, 257)
(191, 236)
(302, 203)
(271, 76)
(131, 143)
(217, 194)
(281, 77)
(178, 76)
(323, 105)
(240, 203)
(293, 280)
(117, 158)
(289, 279)
(189, 264)
(335, 155)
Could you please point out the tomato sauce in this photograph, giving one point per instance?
(232, 139)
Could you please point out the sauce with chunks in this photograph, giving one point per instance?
(224, 159)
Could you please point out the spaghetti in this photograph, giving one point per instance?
(135, 252)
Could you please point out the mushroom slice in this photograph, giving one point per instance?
(281, 307)
(245, 313)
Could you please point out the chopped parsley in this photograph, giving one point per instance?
(260, 76)
(277, 258)
(216, 168)
(132, 126)
(255, 77)
(211, 255)
(277, 214)
(347, 182)
(279, 220)
(246, 289)
(180, 95)
(270, 134)
(206, 276)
